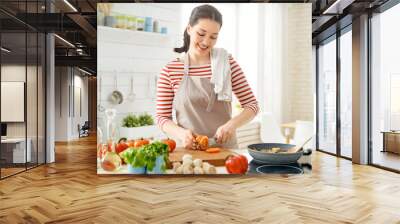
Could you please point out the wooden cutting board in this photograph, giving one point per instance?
(216, 159)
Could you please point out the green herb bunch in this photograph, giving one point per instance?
(146, 155)
(131, 121)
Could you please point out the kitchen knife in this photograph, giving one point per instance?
(212, 141)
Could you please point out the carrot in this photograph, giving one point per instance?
(213, 150)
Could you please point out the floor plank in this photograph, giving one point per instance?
(69, 191)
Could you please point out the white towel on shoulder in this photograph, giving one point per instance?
(221, 74)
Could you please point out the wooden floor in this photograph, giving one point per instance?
(69, 191)
(387, 159)
(10, 171)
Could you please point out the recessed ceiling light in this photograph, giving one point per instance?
(5, 50)
(64, 40)
(338, 6)
(70, 5)
(86, 72)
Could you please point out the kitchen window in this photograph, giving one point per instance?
(385, 89)
(327, 95)
(346, 92)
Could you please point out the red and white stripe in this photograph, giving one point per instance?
(171, 77)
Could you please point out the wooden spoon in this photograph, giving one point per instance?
(298, 148)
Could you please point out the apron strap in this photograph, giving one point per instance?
(186, 65)
(186, 76)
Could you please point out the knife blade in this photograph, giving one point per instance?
(212, 141)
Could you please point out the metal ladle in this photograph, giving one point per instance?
(131, 97)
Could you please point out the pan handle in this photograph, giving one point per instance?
(307, 152)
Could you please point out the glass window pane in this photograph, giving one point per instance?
(31, 97)
(41, 98)
(386, 89)
(13, 85)
(346, 94)
(327, 96)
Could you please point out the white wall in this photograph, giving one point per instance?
(33, 127)
(124, 54)
(61, 103)
(286, 77)
(17, 73)
(66, 120)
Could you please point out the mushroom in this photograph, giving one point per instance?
(197, 163)
(209, 169)
(179, 170)
(198, 170)
(187, 169)
(175, 165)
(187, 156)
(187, 162)
(206, 165)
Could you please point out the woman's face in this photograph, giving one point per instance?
(203, 36)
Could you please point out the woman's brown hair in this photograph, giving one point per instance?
(200, 12)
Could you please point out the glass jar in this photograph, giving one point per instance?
(110, 160)
(121, 21)
(140, 24)
(131, 23)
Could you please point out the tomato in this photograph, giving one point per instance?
(121, 147)
(131, 143)
(108, 165)
(236, 164)
(171, 144)
(141, 142)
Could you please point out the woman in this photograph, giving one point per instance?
(185, 86)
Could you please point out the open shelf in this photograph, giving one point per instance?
(110, 34)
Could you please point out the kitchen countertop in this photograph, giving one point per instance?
(304, 161)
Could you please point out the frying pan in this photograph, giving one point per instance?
(273, 158)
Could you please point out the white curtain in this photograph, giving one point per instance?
(273, 67)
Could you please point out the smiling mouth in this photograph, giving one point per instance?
(202, 47)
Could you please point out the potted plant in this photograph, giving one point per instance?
(136, 127)
(134, 158)
(150, 159)
(156, 157)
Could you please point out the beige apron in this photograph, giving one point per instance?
(197, 108)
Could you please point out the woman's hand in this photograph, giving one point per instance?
(187, 138)
(225, 133)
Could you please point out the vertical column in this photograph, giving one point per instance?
(50, 93)
(360, 90)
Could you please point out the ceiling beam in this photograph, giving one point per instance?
(83, 61)
(84, 24)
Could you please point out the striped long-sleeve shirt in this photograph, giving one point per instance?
(171, 77)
